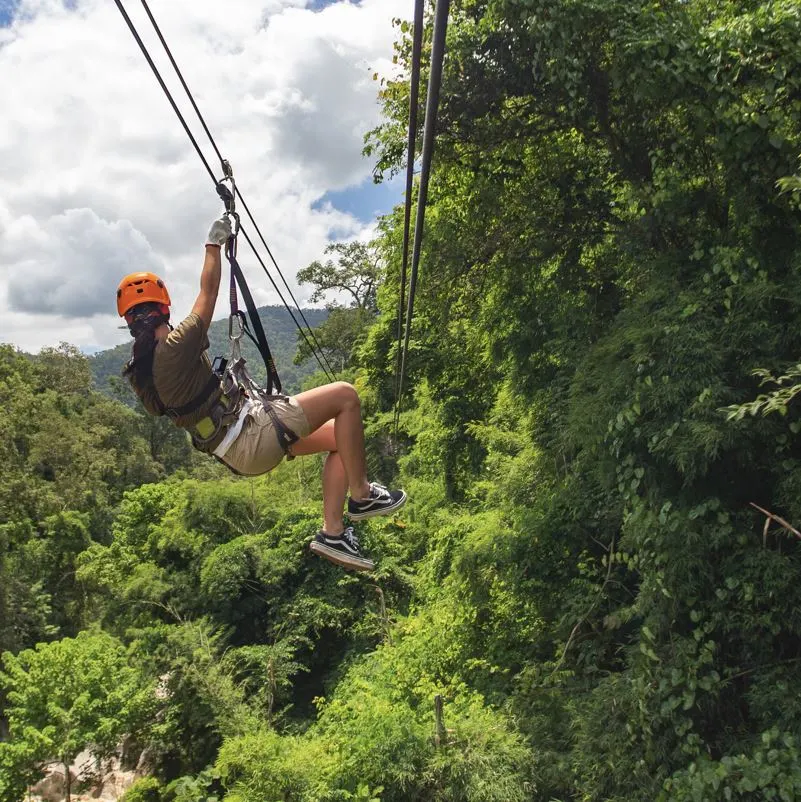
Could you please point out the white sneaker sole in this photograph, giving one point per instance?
(360, 516)
(340, 558)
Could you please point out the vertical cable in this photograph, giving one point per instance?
(432, 103)
(414, 93)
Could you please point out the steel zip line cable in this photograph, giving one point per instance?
(414, 94)
(189, 95)
(432, 103)
(192, 139)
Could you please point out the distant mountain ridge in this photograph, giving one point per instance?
(281, 334)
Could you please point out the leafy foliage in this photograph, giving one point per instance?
(67, 696)
(777, 400)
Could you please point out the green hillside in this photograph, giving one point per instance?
(281, 334)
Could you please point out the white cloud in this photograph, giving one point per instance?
(99, 178)
(67, 265)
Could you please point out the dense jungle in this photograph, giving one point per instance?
(594, 592)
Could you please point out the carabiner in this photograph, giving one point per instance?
(236, 350)
(238, 336)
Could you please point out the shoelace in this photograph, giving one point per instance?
(378, 490)
(350, 536)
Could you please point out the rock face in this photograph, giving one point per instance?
(51, 788)
(92, 780)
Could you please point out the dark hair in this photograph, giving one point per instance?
(143, 320)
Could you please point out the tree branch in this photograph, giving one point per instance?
(772, 517)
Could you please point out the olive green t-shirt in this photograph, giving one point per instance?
(180, 373)
(181, 369)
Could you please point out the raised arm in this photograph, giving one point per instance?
(212, 268)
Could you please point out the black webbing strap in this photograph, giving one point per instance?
(257, 335)
(255, 331)
(197, 402)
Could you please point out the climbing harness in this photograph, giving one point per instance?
(224, 414)
(233, 370)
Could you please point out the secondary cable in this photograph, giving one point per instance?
(203, 159)
(189, 95)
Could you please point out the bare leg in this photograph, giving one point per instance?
(340, 402)
(335, 488)
(335, 482)
(321, 439)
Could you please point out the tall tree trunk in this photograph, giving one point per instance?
(67, 782)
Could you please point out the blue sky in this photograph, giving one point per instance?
(7, 11)
(365, 201)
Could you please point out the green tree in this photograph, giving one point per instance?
(357, 273)
(64, 369)
(50, 556)
(67, 696)
(342, 331)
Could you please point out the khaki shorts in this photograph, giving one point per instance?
(256, 450)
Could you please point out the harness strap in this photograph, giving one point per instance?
(286, 437)
(257, 335)
(196, 403)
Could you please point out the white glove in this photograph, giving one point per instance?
(219, 232)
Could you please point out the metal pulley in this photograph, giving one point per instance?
(236, 324)
(228, 196)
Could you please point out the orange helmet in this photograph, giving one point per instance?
(138, 288)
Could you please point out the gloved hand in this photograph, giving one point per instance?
(219, 232)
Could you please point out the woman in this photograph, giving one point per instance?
(171, 373)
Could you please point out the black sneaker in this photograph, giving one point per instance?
(341, 549)
(380, 502)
